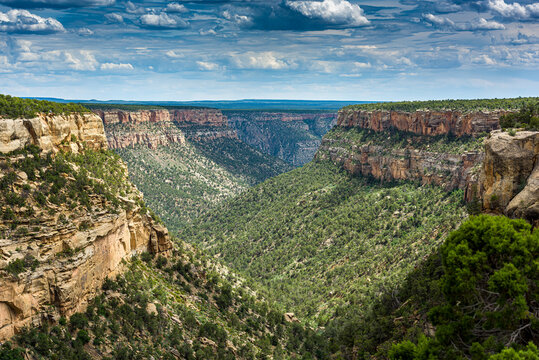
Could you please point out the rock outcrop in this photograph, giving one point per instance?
(68, 250)
(52, 132)
(450, 171)
(186, 117)
(152, 135)
(509, 180)
(290, 136)
(423, 122)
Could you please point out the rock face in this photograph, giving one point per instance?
(72, 251)
(293, 137)
(154, 128)
(510, 174)
(450, 171)
(211, 117)
(152, 135)
(52, 133)
(423, 122)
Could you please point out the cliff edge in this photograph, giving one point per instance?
(69, 218)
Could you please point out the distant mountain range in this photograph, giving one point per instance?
(247, 104)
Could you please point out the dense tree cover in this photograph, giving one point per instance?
(182, 181)
(15, 107)
(320, 239)
(461, 105)
(527, 118)
(287, 140)
(137, 107)
(475, 296)
(169, 308)
(241, 160)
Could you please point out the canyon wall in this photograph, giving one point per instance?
(451, 171)
(509, 180)
(423, 122)
(161, 127)
(68, 251)
(52, 132)
(290, 136)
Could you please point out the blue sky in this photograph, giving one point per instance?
(271, 49)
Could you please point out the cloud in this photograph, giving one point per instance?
(263, 60)
(172, 54)
(208, 66)
(85, 61)
(114, 17)
(515, 10)
(480, 24)
(176, 8)
(483, 60)
(134, 9)
(241, 20)
(162, 21)
(483, 24)
(112, 66)
(85, 32)
(55, 4)
(339, 12)
(439, 21)
(23, 21)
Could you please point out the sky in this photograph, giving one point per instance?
(270, 49)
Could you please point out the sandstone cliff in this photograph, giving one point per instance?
(423, 122)
(161, 127)
(509, 180)
(52, 132)
(68, 221)
(386, 162)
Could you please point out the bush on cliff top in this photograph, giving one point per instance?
(15, 107)
(527, 118)
(461, 105)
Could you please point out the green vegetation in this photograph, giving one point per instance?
(527, 118)
(287, 135)
(182, 181)
(136, 107)
(15, 107)
(180, 307)
(461, 105)
(471, 299)
(241, 160)
(349, 138)
(321, 240)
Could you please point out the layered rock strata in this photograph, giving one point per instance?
(68, 251)
(423, 122)
(210, 117)
(450, 171)
(52, 132)
(509, 180)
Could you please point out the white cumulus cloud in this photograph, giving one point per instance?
(261, 60)
(483, 24)
(439, 20)
(176, 8)
(23, 21)
(332, 11)
(115, 17)
(163, 21)
(112, 66)
(514, 10)
(209, 66)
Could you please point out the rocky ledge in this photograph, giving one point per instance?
(423, 122)
(186, 117)
(64, 229)
(510, 175)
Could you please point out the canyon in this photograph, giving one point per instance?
(159, 127)
(500, 170)
(67, 250)
(291, 136)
